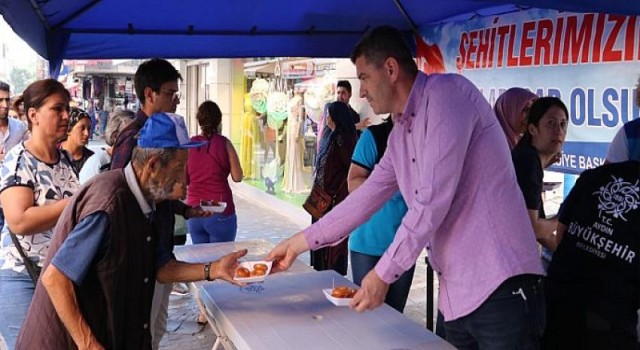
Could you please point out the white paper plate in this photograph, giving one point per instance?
(249, 265)
(336, 301)
(213, 208)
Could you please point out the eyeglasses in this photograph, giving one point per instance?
(176, 95)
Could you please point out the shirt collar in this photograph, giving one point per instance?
(146, 207)
(141, 114)
(415, 96)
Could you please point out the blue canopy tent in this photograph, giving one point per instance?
(83, 29)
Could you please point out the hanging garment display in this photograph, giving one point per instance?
(248, 137)
(259, 91)
(276, 109)
(294, 172)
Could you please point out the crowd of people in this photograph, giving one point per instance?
(86, 257)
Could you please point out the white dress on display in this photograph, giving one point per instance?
(293, 173)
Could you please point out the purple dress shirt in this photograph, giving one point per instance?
(450, 160)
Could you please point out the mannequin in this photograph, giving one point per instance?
(248, 131)
(293, 173)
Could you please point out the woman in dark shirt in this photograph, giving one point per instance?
(543, 139)
(332, 168)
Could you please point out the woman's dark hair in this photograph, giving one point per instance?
(39, 91)
(339, 112)
(209, 117)
(537, 111)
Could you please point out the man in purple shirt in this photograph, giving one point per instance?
(449, 159)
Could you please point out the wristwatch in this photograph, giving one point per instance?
(207, 272)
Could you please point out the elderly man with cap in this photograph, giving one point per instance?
(97, 284)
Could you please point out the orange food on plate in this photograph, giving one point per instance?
(243, 272)
(263, 267)
(343, 292)
(259, 269)
(258, 272)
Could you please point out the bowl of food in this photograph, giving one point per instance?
(340, 296)
(213, 206)
(253, 271)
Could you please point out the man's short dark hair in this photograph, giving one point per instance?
(4, 86)
(345, 84)
(384, 42)
(152, 74)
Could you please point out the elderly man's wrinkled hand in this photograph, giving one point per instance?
(225, 267)
(371, 294)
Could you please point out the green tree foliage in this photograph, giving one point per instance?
(20, 78)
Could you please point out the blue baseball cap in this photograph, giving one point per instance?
(166, 130)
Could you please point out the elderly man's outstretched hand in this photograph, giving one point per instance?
(225, 267)
(286, 252)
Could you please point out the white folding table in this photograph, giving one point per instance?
(289, 310)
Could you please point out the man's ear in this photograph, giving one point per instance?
(153, 165)
(392, 68)
(149, 95)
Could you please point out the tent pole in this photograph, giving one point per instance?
(406, 16)
(38, 10)
(76, 14)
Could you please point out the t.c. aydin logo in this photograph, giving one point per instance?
(618, 197)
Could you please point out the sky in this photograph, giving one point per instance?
(18, 53)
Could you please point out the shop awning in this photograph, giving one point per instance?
(264, 68)
(83, 29)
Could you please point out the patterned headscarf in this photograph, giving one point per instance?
(509, 108)
(76, 115)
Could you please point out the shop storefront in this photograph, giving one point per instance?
(283, 120)
(101, 87)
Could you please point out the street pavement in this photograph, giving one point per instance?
(256, 221)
